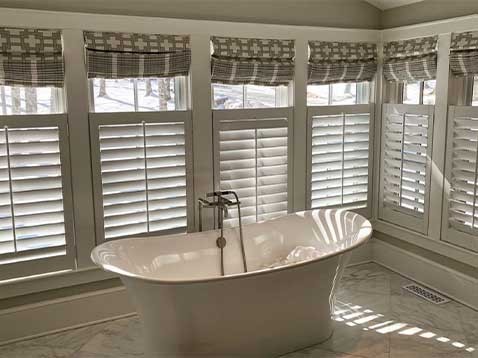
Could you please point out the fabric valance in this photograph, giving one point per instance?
(410, 60)
(126, 55)
(333, 62)
(464, 53)
(266, 62)
(31, 57)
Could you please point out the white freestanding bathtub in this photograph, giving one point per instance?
(189, 310)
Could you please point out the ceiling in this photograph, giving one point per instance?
(389, 4)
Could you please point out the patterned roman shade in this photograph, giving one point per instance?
(464, 53)
(252, 61)
(31, 57)
(410, 60)
(126, 55)
(333, 62)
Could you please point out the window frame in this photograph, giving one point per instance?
(181, 98)
(463, 239)
(112, 118)
(281, 97)
(405, 218)
(313, 111)
(255, 118)
(27, 267)
(359, 94)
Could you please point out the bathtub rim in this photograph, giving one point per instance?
(360, 241)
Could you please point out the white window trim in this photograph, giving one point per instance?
(250, 119)
(32, 266)
(313, 111)
(97, 119)
(405, 218)
(466, 240)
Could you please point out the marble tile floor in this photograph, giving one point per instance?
(375, 318)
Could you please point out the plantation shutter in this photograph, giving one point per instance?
(35, 231)
(410, 60)
(142, 187)
(31, 57)
(335, 62)
(460, 221)
(239, 61)
(406, 153)
(251, 157)
(339, 156)
(464, 53)
(133, 55)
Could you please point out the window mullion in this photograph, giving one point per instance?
(146, 183)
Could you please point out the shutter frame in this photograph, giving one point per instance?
(467, 239)
(314, 111)
(45, 259)
(265, 119)
(395, 214)
(137, 118)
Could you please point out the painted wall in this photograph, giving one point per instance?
(428, 10)
(333, 13)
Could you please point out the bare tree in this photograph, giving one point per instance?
(168, 89)
(3, 99)
(31, 99)
(102, 92)
(149, 88)
(16, 100)
(163, 93)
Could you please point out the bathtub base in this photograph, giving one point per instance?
(261, 316)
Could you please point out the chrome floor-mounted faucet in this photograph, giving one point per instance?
(219, 200)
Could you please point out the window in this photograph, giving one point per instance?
(460, 219)
(140, 133)
(142, 186)
(36, 230)
(405, 176)
(30, 100)
(338, 94)
(137, 94)
(251, 157)
(248, 96)
(422, 92)
(339, 158)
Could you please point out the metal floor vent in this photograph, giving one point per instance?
(426, 293)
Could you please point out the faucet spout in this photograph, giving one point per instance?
(220, 201)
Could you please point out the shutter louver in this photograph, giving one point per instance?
(462, 211)
(405, 162)
(254, 163)
(143, 171)
(340, 156)
(31, 193)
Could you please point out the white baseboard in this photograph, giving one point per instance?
(451, 283)
(362, 254)
(34, 320)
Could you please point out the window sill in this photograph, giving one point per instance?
(426, 242)
(51, 281)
